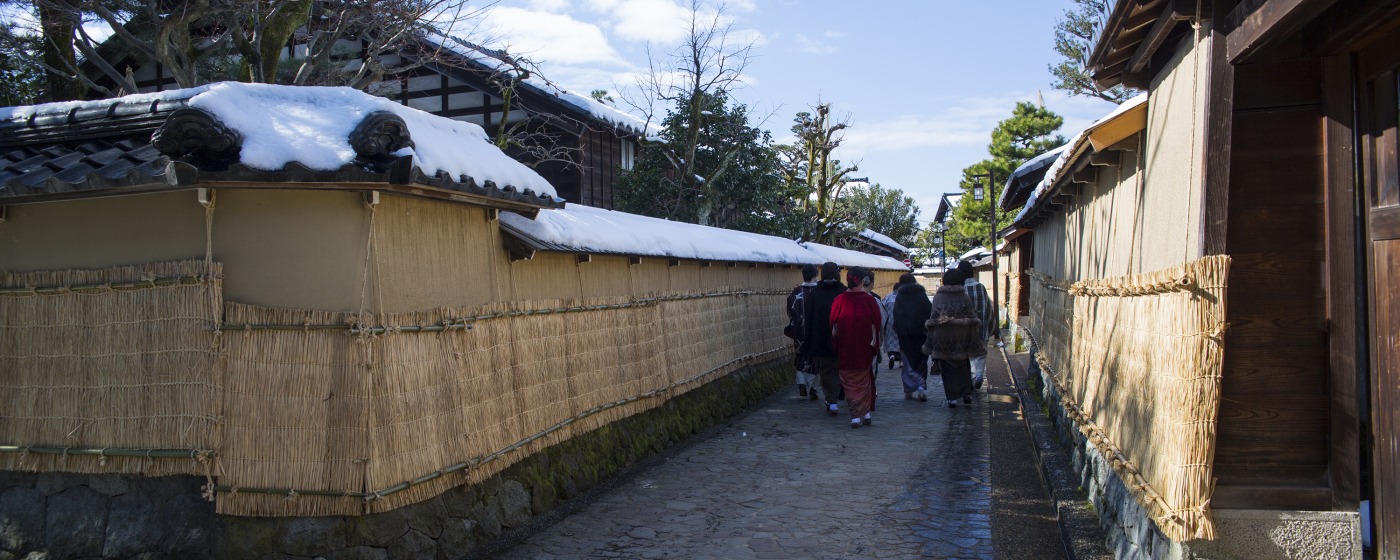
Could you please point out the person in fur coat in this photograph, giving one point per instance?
(953, 337)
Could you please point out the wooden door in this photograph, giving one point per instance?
(1379, 121)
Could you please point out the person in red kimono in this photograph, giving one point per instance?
(855, 333)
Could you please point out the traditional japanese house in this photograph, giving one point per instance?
(1253, 215)
(578, 144)
(233, 333)
(876, 243)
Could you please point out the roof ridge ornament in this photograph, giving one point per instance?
(197, 137)
(379, 135)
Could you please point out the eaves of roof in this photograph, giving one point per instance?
(474, 72)
(131, 146)
(1134, 32)
(1045, 198)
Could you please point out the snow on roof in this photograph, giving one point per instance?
(847, 257)
(311, 126)
(488, 57)
(595, 230)
(1071, 150)
(1034, 164)
(977, 251)
(882, 239)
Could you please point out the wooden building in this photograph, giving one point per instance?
(1269, 141)
(578, 144)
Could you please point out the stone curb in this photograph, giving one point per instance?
(1083, 538)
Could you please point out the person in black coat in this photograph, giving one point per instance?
(816, 333)
(911, 309)
(796, 301)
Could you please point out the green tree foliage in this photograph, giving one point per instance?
(886, 211)
(21, 79)
(1075, 36)
(1029, 132)
(201, 41)
(735, 182)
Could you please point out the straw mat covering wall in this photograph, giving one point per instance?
(395, 409)
(110, 370)
(1137, 360)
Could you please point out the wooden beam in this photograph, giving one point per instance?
(1315, 498)
(1154, 39)
(704, 264)
(1348, 22)
(1254, 24)
(1219, 108)
(584, 257)
(673, 262)
(634, 260)
(1343, 305)
(516, 248)
(1106, 158)
(1087, 176)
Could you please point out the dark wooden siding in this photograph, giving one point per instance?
(1272, 446)
(602, 156)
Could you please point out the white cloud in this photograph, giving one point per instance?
(661, 21)
(964, 122)
(549, 5)
(553, 38)
(813, 46)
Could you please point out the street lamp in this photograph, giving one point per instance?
(942, 252)
(978, 194)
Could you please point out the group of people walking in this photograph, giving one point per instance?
(842, 330)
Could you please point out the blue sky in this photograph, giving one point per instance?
(921, 82)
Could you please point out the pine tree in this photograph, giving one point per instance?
(1028, 133)
(1075, 36)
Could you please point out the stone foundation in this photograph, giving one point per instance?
(64, 515)
(1240, 534)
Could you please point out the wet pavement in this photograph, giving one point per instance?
(787, 480)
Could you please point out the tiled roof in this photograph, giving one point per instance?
(114, 147)
(92, 146)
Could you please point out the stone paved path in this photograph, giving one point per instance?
(789, 481)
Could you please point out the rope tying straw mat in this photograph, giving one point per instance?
(1137, 362)
(387, 410)
(384, 417)
(114, 358)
